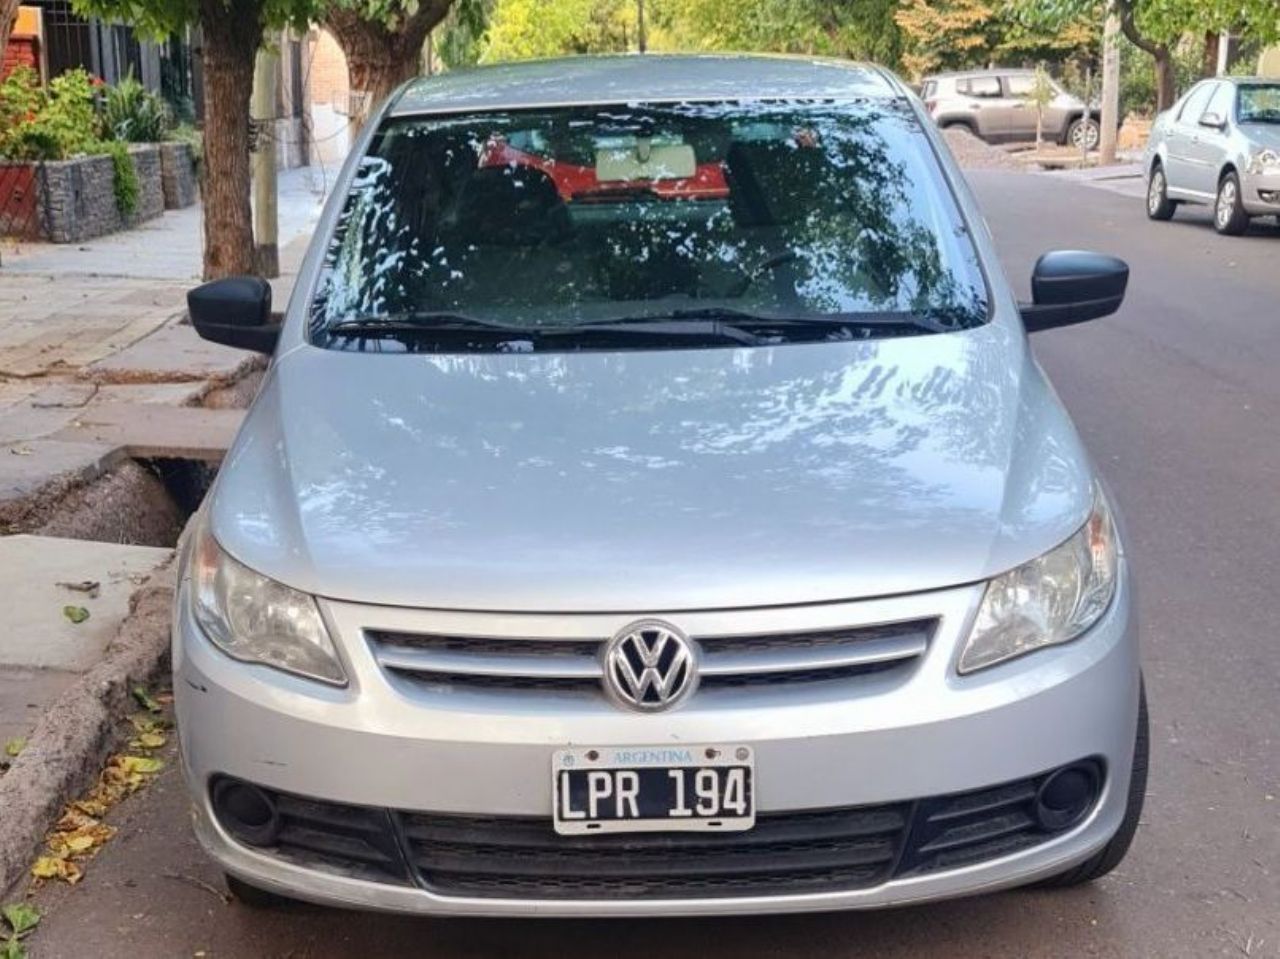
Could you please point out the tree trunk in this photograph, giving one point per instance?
(380, 58)
(232, 34)
(8, 14)
(1209, 59)
(1166, 81)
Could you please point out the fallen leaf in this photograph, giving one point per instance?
(14, 746)
(77, 614)
(57, 867)
(90, 586)
(149, 741)
(145, 700)
(21, 450)
(146, 723)
(22, 917)
(141, 764)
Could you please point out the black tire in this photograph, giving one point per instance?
(1159, 206)
(1229, 217)
(1086, 128)
(1113, 852)
(253, 897)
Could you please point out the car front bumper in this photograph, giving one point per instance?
(880, 739)
(1261, 193)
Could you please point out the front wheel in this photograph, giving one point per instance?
(1114, 852)
(1159, 206)
(1229, 216)
(1084, 134)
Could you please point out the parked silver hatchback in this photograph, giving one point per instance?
(1219, 144)
(997, 106)
(653, 507)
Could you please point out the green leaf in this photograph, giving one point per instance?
(13, 950)
(22, 917)
(77, 614)
(14, 746)
(145, 701)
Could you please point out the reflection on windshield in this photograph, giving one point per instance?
(545, 220)
(1259, 103)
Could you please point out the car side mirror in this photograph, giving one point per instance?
(1213, 121)
(1073, 286)
(235, 312)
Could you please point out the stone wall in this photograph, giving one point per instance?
(178, 175)
(78, 200)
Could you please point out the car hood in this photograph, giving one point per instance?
(1262, 134)
(652, 480)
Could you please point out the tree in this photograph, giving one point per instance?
(382, 41)
(947, 34)
(1042, 94)
(523, 29)
(232, 31)
(1156, 26)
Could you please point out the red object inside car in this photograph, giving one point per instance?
(575, 181)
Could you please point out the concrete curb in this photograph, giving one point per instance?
(66, 750)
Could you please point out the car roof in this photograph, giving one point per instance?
(984, 72)
(642, 78)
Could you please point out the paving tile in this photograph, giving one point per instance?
(37, 633)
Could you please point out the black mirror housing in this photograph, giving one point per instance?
(235, 311)
(1074, 286)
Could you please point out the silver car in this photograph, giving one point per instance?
(653, 507)
(996, 105)
(1219, 144)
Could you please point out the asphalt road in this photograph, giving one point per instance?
(1179, 400)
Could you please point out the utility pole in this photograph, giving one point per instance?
(642, 41)
(1110, 88)
(265, 219)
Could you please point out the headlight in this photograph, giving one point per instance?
(1050, 600)
(1265, 162)
(257, 620)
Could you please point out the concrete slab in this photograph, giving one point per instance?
(27, 421)
(171, 354)
(27, 467)
(24, 695)
(36, 633)
(150, 430)
(162, 394)
(63, 395)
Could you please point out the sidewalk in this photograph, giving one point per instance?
(110, 409)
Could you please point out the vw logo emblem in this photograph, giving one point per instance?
(650, 666)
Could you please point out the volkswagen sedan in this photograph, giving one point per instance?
(653, 506)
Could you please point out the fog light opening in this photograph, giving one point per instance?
(246, 811)
(1066, 796)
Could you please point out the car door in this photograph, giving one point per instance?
(1179, 167)
(991, 107)
(1208, 140)
(1019, 88)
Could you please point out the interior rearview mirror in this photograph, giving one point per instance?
(1073, 286)
(235, 312)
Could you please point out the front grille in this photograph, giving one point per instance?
(828, 850)
(566, 665)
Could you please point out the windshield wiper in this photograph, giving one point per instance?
(421, 322)
(755, 322)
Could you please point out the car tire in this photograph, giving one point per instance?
(1229, 216)
(1087, 129)
(1114, 852)
(1159, 206)
(254, 897)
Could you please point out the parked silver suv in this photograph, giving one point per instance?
(653, 506)
(1219, 144)
(996, 106)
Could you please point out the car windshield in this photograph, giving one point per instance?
(1259, 103)
(647, 227)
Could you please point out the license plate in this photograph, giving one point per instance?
(653, 789)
